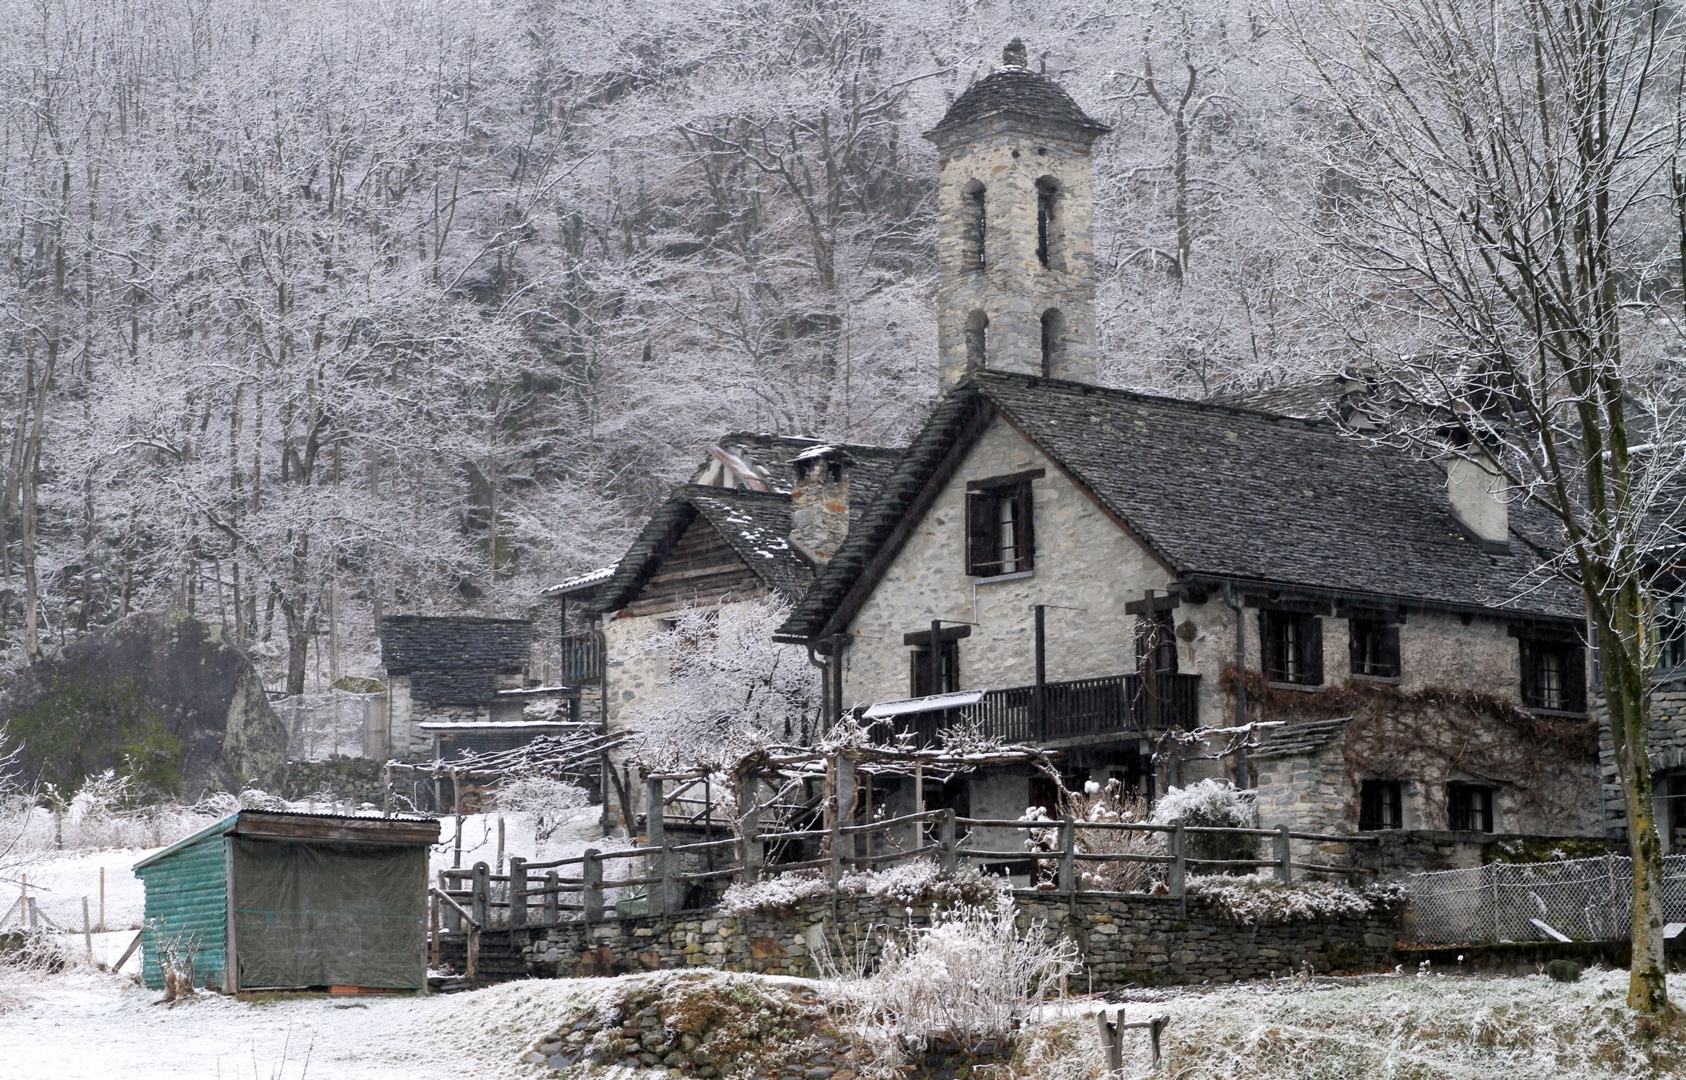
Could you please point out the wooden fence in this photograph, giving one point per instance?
(547, 893)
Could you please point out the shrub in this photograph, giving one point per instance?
(1211, 804)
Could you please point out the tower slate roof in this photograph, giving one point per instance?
(1217, 493)
(1020, 92)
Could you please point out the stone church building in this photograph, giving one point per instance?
(1100, 571)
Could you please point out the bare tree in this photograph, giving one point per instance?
(1502, 182)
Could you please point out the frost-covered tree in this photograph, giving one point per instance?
(728, 687)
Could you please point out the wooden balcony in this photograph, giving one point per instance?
(582, 658)
(1113, 704)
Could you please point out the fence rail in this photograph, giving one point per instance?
(1581, 899)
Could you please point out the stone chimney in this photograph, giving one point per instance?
(820, 501)
(1480, 501)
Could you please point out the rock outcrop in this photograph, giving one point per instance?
(161, 697)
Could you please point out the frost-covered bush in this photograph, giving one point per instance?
(910, 884)
(1209, 804)
(968, 979)
(546, 802)
(1113, 804)
(1259, 898)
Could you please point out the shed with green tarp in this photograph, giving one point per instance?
(272, 900)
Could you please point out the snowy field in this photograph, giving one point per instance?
(85, 1024)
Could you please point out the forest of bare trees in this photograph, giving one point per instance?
(318, 311)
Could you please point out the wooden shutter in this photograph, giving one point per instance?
(1574, 677)
(1311, 649)
(1027, 528)
(1530, 672)
(981, 556)
(1270, 645)
(1390, 648)
(919, 673)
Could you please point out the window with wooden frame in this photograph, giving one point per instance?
(945, 680)
(1469, 807)
(1292, 644)
(1553, 674)
(1000, 525)
(1381, 805)
(1374, 645)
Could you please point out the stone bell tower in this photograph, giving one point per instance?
(1015, 280)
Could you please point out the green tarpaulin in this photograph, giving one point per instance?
(315, 914)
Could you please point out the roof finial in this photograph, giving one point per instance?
(1014, 55)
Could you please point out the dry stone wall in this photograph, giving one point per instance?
(1124, 940)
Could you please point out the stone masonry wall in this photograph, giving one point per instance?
(1668, 754)
(1124, 940)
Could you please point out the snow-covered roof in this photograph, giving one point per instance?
(535, 691)
(815, 452)
(497, 725)
(580, 581)
(959, 699)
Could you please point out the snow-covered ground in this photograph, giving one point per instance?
(85, 1025)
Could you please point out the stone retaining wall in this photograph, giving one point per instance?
(1124, 940)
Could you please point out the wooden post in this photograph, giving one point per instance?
(1038, 708)
(1176, 886)
(453, 921)
(844, 771)
(102, 899)
(456, 797)
(1068, 854)
(671, 898)
(87, 931)
(482, 898)
(517, 890)
(1111, 1040)
(591, 895)
(1284, 856)
(552, 898)
(655, 838)
(948, 856)
(500, 844)
(386, 790)
(433, 906)
(751, 852)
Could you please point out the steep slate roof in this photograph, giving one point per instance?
(1221, 493)
(1017, 91)
(454, 659)
(755, 524)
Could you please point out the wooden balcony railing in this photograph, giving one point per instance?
(1067, 710)
(582, 658)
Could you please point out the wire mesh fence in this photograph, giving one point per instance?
(1582, 899)
(332, 723)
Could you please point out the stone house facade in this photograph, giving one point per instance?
(1105, 573)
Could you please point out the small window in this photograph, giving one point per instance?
(976, 226)
(1375, 648)
(1052, 325)
(947, 678)
(1553, 675)
(1047, 190)
(1469, 808)
(1293, 647)
(1000, 532)
(1381, 805)
(977, 340)
(1671, 632)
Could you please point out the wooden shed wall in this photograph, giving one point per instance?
(701, 568)
(187, 896)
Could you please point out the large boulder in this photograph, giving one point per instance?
(161, 697)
